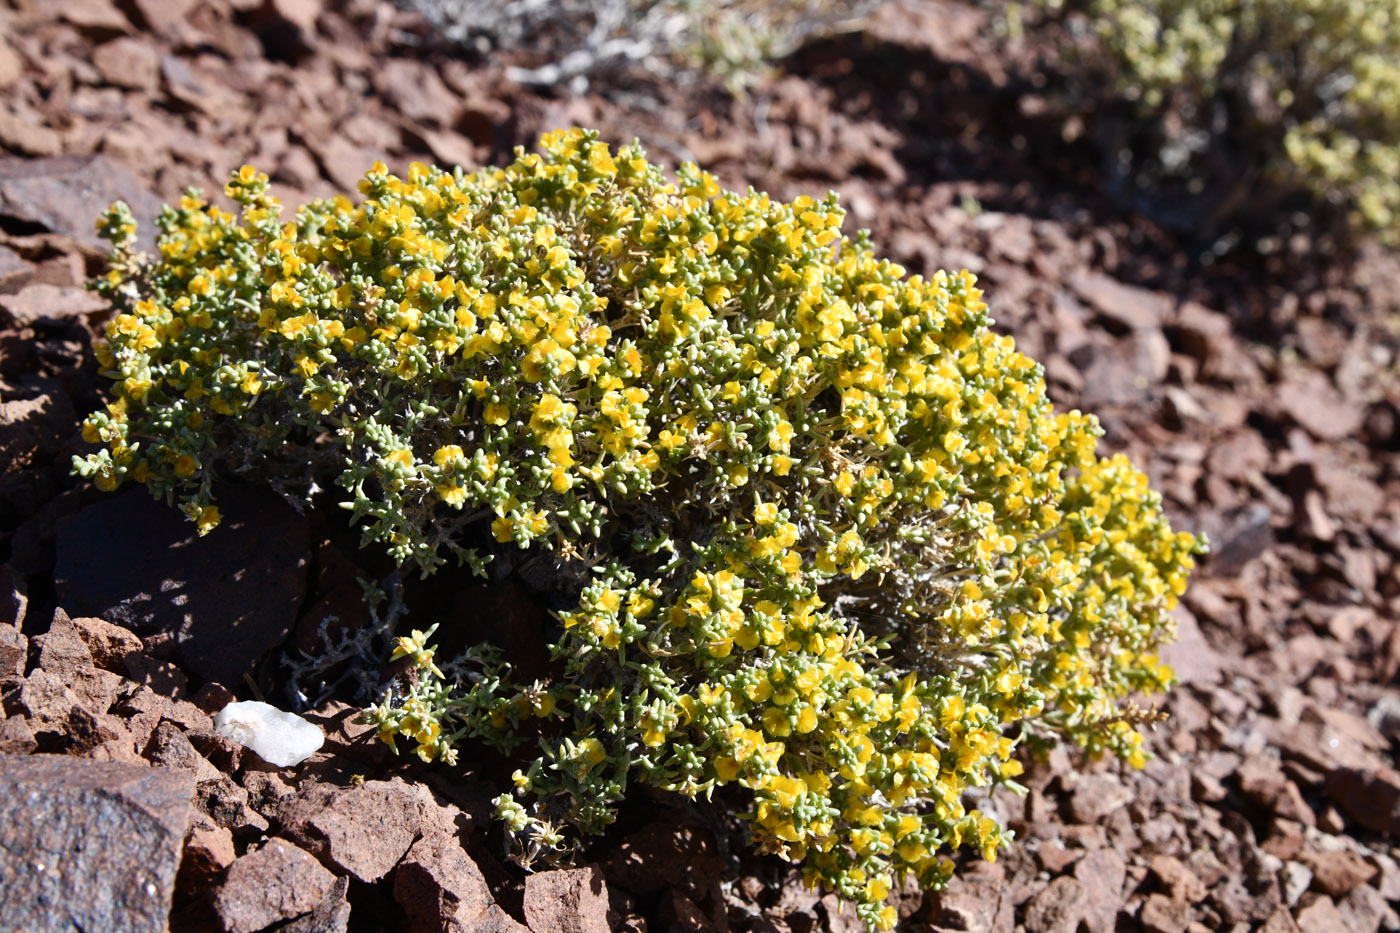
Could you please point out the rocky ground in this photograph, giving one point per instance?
(1259, 391)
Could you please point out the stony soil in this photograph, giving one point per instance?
(1260, 392)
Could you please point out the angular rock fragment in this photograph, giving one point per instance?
(441, 888)
(567, 901)
(16, 736)
(332, 915)
(89, 845)
(1101, 874)
(1058, 908)
(227, 804)
(14, 650)
(108, 644)
(169, 748)
(277, 882)
(364, 831)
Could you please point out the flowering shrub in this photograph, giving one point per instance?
(823, 535)
(1286, 93)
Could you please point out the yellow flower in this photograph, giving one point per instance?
(591, 750)
(453, 494)
(207, 520)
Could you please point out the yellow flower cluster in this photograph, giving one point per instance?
(849, 554)
(1319, 81)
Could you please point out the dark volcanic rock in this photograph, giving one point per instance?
(89, 845)
(227, 598)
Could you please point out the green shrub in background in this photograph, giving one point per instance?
(734, 41)
(822, 534)
(1252, 98)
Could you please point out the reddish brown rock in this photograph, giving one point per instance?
(441, 889)
(51, 302)
(1364, 910)
(169, 748)
(1101, 874)
(343, 162)
(162, 16)
(16, 736)
(413, 88)
(450, 149)
(164, 677)
(1262, 780)
(332, 915)
(208, 851)
(11, 66)
(364, 831)
(100, 736)
(1370, 797)
(1314, 403)
(1126, 307)
(1322, 746)
(1281, 921)
(28, 136)
(143, 709)
(14, 650)
(300, 14)
(664, 856)
(567, 901)
(1058, 908)
(1191, 656)
(61, 650)
(227, 804)
(129, 63)
(1320, 916)
(1177, 881)
(277, 882)
(43, 697)
(108, 644)
(96, 18)
(1162, 914)
(36, 419)
(1095, 796)
(983, 907)
(89, 845)
(1337, 872)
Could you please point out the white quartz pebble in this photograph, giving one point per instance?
(280, 738)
